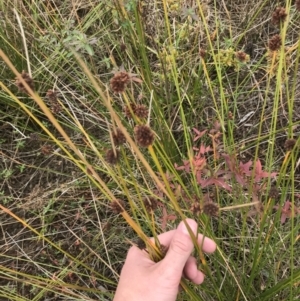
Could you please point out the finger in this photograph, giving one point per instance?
(208, 245)
(135, 256)
(181, 246)
(191, 271)
(165, 238)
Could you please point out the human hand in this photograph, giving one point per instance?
(144, 280)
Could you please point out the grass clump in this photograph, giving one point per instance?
(204, 123)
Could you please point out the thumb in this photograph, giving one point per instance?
(179, 251)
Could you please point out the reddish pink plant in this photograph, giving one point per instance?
(244, 170)
(166, 217)
(287, 211)
(198, 161)
(199, 134)
(202, 150)
(259, 173)
(249, 175)
(214, 180)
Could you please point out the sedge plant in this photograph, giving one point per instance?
(135, 115)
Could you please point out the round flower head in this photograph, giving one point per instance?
(143, 135)
(51, 95)
(119, 82)
(118, 137)
(141, 111)
(273, 192)
(289, 144)
(47, 149)
(28, 80)
(275, 42)
(141, 244)
(195, 208)
(150, 203)
(116, 206)
(129, 110)
(202, 53)
(56, 108)
(279, 15)
(112, 157)
(210, 208)
(242, 56)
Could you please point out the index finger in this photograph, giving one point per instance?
(208, 245)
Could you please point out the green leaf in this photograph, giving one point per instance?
(89, 50)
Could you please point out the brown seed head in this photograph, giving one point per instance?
(273, 193)
(54, 104)
(143, 135)
(112, 157)
(275, 42)
(119, 81)
(47, 149)
(122, 47)
(279, 15)
(297, 5)
(210, 208)
(202, 53)
(195, 208)
(141, 111)
(118, 137)
(29, 81)
(56, 108)
(116, 206)
(129, 109)
(150, 203)
(52, 95)
(242, 56)
(290, 144)
(141, 244)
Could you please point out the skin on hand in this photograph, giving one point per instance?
(143, 279)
